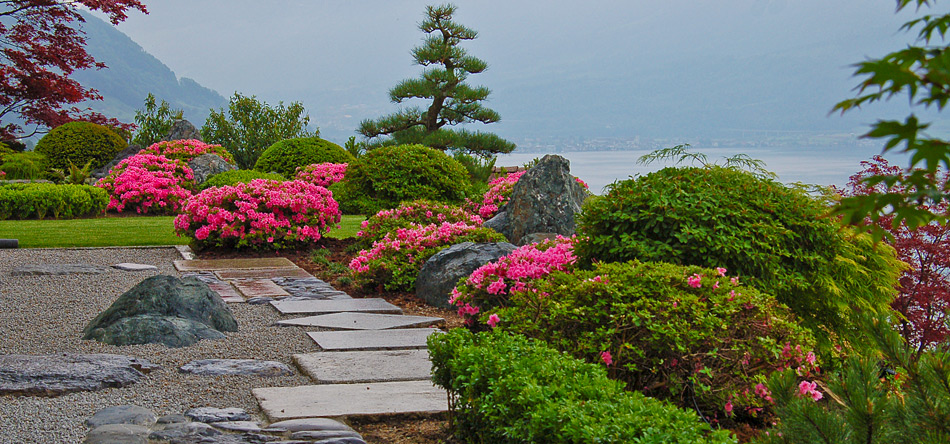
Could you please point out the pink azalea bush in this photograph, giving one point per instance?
(499, 192)
(490, 285)
(262, 214)
(322, 174)
(421, 212)
(395, 260)
(148, 183)
(186, 150)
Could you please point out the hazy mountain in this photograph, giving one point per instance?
(132, 73)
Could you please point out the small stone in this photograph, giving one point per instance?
(238, 426)
(183, 430)
(128, 266)
(305, 424)
(122, 414)
(117, 434)
(57, 269)
(242, 367)
(262, 300)
(213, 414)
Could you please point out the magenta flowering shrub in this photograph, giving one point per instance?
(419, 212)
(490, 285)
(499, 190)
(395, 260)
(186, 150)
(262, 214)
(148, 183)
(322, 174)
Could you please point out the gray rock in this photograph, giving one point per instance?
(544, 200)
(53, 375)
(129, 151)
(173, 419)
(207, 165)
(342, 440)
(326, 435)
(260, 300)
(214, 414)
(118, 434)
(243, 367)
(238, 426)
(122, 414)
(442, 272)
(128, 266)
(312, 424)
(163, 309)
(57, 269)
(183, 430)
(182, 130)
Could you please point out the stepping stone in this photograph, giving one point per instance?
(401, 339)
(319, 306)
(260, 288)
(128, 266)
(262, 273)
(363, 321)
(242, 367)
(336, 400)
(234, 264)
(366, 366)
(226, 291)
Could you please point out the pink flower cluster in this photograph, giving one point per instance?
(408, 242)
(260, 214)
(3, 174)
(491, 283)
(498, 192)
(322, 174)
(809, 389)
(148, 183)
(417, 212)
(186, 150)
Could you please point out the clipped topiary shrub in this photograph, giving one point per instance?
(149, 184)
(420, 212)
(779, 239)
(42, 200)
(386, 176)
(186, 150)
(505, 389)
(235, 177)
(80, 142)
(263, 214)
(286, 156)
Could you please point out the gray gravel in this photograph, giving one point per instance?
(46, 314)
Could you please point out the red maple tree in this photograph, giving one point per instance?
(924, 297)
(40, 46)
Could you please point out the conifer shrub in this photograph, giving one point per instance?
(235, 177)
(778, 239)
(80, 142)
(43, 200)
(286, 156)
(505, 389)
(386, 176)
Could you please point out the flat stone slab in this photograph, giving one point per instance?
(366, 366)
(347, 400)
(57, 269)
(401, 339)
(53, 375)
(129, 266)
(241, 367)
(363, 321)
(260, 288)
(262, 273)
(233, 264)
(320, 306)
(226, 291)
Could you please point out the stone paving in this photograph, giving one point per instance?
(373, 361)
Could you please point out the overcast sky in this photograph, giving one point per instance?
(340, 57)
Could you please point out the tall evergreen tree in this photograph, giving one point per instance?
(451, 100)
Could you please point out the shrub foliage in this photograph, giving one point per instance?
(286, 156)
(421, 212)
(235, 177)
(186, 150)
(79, 142)
(42, 200)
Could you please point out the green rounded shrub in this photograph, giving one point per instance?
(286, 156)
(80, 142)
(778, 239)
(42, 200)
(384, 177)
(238, 176)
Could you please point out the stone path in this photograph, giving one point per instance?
(373, 361)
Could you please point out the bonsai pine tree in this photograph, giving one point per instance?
(451, 100)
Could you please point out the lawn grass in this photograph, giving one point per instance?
(117, 231)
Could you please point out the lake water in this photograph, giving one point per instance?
(811, 165)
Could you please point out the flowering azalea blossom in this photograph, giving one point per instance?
(605, 356)
(493, 320)
(695, 281)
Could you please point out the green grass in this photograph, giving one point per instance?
(117, 231)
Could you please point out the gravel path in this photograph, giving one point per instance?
(46, 314)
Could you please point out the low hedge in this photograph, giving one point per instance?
(507, 389)
(41, 200)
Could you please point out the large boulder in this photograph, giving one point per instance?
(442, 272)
(182, 130)
(544, 200)
(207, 165)
(163, 309)
(129, 151)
